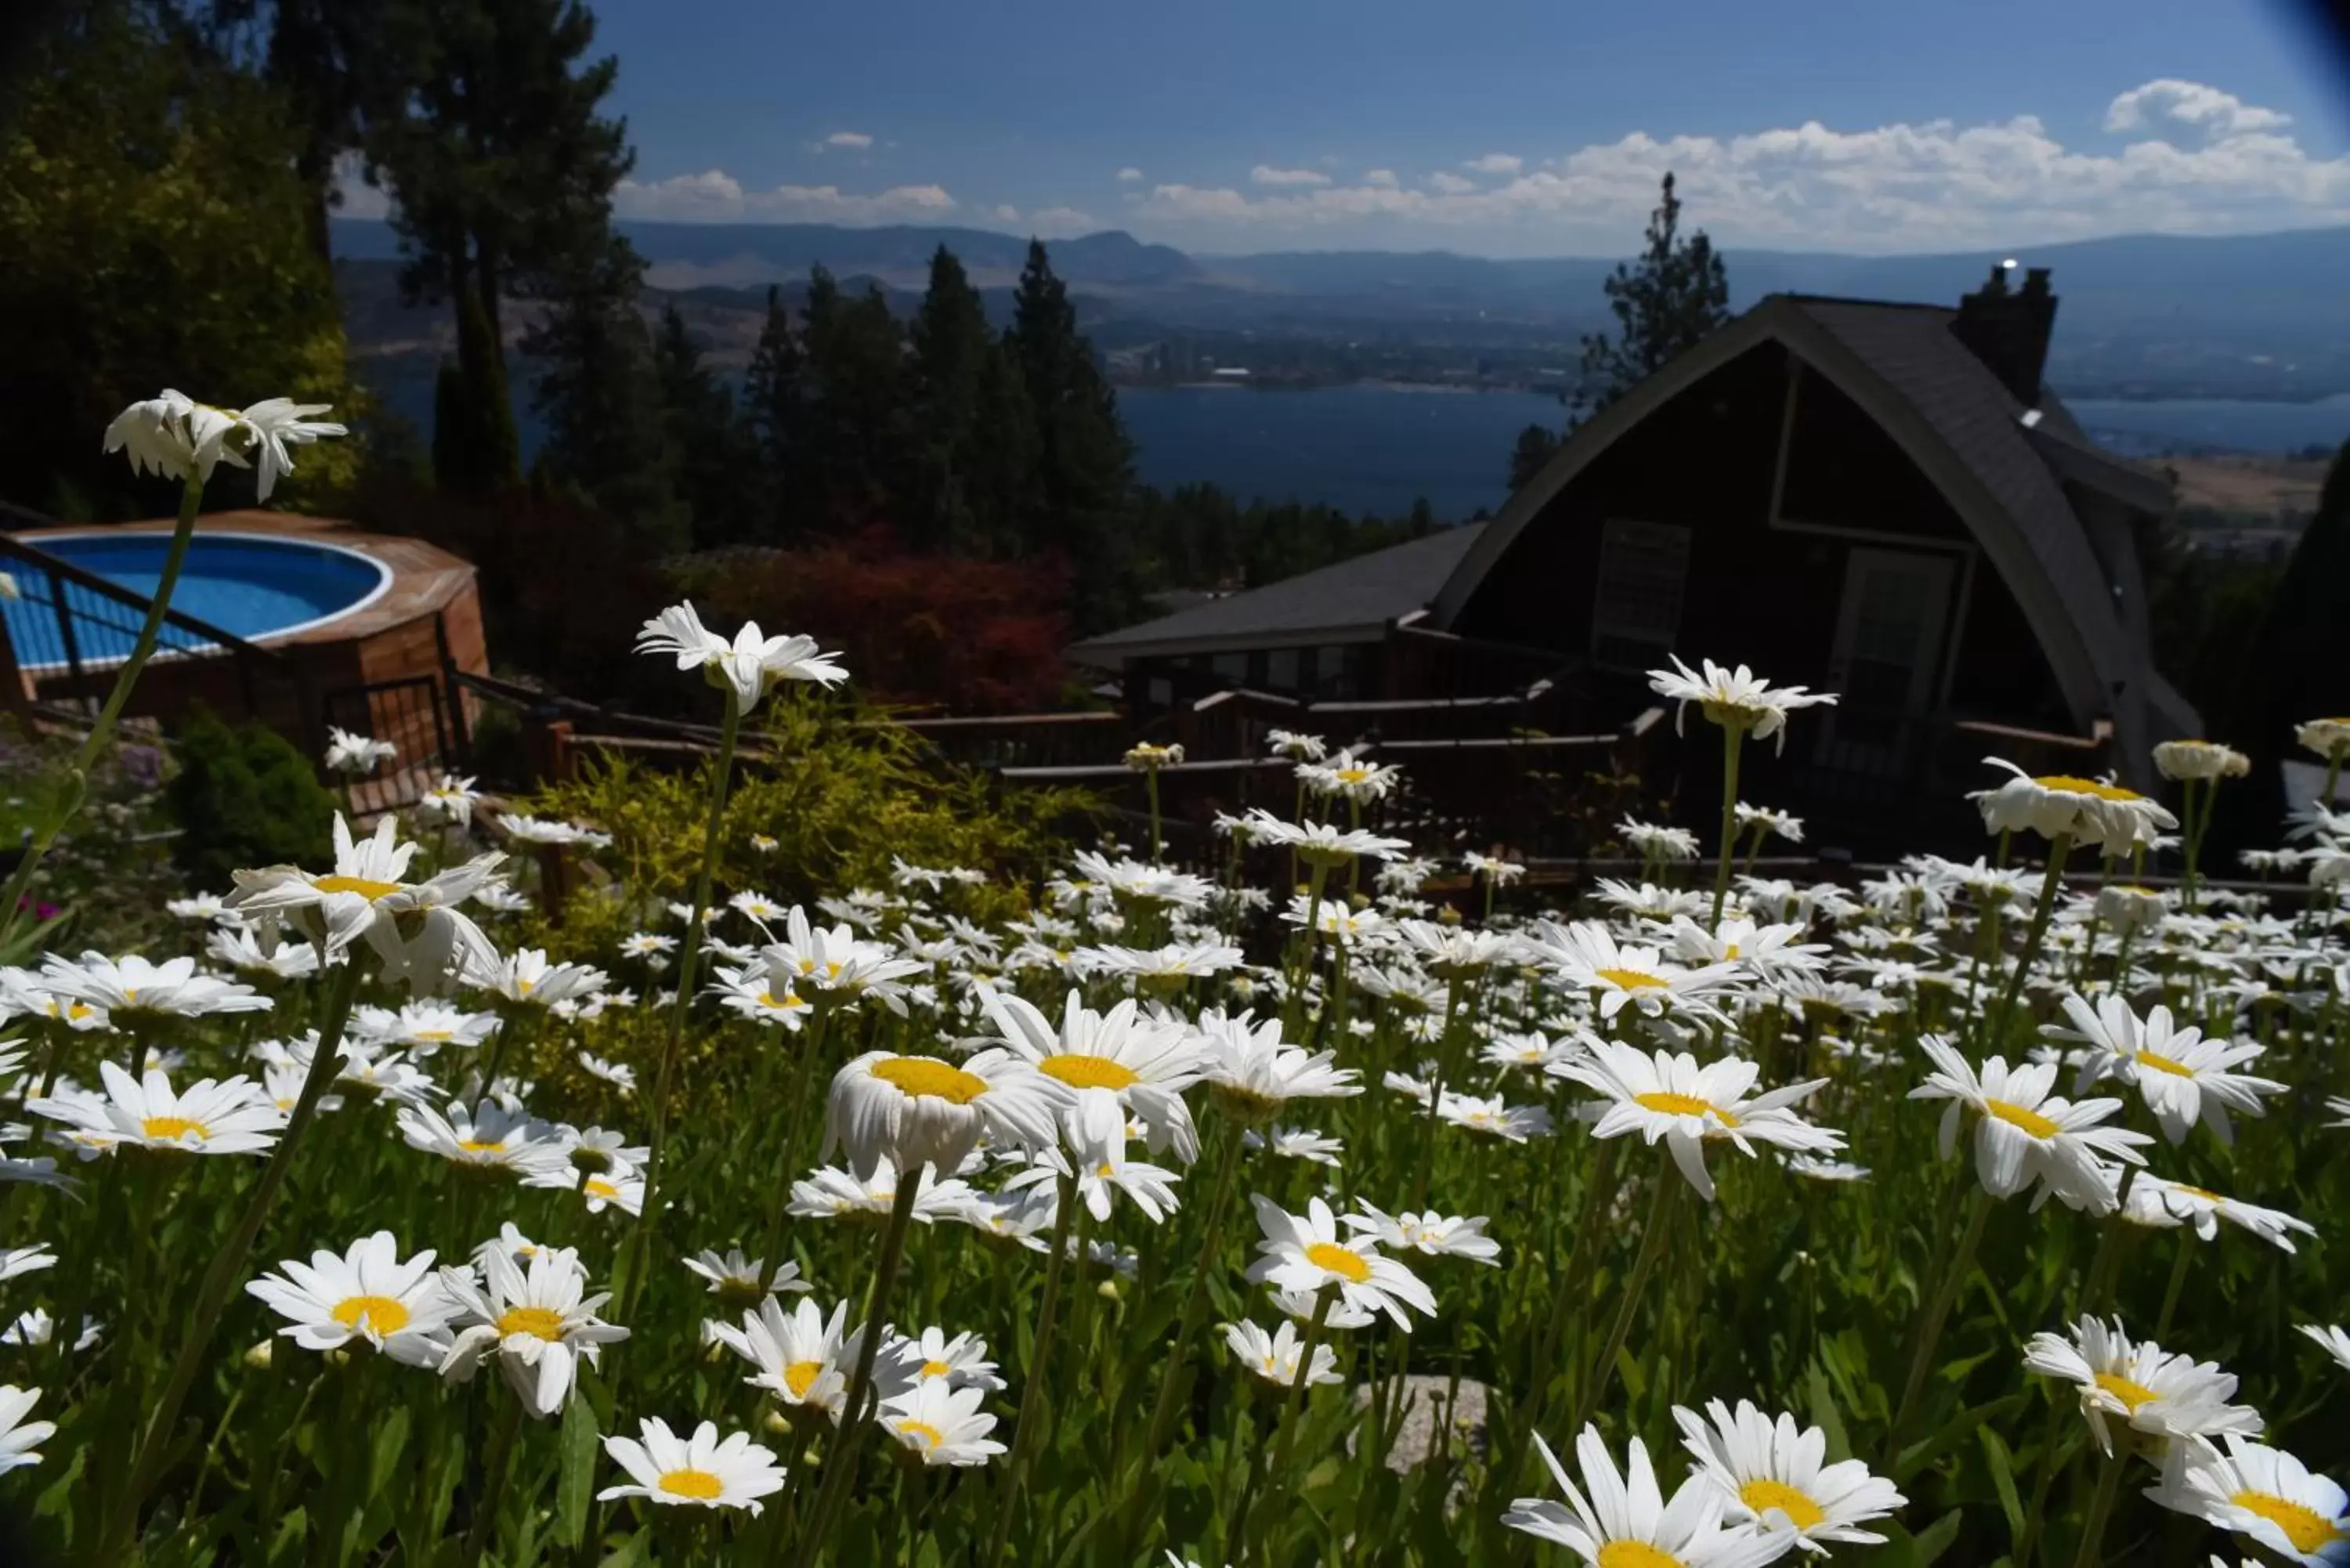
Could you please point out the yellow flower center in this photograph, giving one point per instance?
(1353, 775)
(1088, 1072)
(1730, 950)
(931, 1436)
(2307, 1529)
(381, 1314)
(431, 1034)
(801, 1376)
(2131, 1394)
(1763, 1494)
(2033, 1122)
(787, 1002)
(1666, 1103)
(173, 1129)
(479, 1145)
(1343, 1261)
(699, 1485)
(366, 887)
(544, 1322)
(2068, 783)
(935, 1369)
(524, 987)
(928, 1077)
(596, 1187)
(1632, 979)
(2162, 1065)
(1637, 1554)
(2205, 1193)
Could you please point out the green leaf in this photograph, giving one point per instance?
(1937, 1539)
(1825, 1415)
(384, 1454)
(2003, 1478)
(575, 1477)
(1951, 1434)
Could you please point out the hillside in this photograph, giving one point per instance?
(2258, 315)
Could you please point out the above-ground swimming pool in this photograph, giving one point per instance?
(251, 585)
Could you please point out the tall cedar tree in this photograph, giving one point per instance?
(1673, 298)
(1085, 463)
(505, 170)
(858, 384)
(600, 398)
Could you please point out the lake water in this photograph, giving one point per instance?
(1374, 449)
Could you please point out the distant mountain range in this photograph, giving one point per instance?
(2261, 316)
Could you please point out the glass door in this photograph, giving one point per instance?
(1886, 658)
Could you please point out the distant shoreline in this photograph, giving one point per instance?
(2071, 395)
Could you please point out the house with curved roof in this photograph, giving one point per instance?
(1874, 499)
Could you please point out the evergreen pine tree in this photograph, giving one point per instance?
(951, 348)
(707, 445)
(505, 170)
(1084, 459)
(600, 396)
(1672, 298)
(775, 418)
(1535, 446)
(857, 378)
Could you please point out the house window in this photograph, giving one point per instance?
(1281, 670)
(1232, 669)
(1635, 611)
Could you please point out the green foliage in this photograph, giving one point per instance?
(842, 794)
(245, 797)
(1535, 446)
(155, 236)
(2295, 670)
(104, 883)
(1085, 462)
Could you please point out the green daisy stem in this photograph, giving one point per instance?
(1661, 1206)
(631, 1270)
(1447, 1061)
(1031, 1395)
(2093, 1533)
(840, 1463)
(494, 1466)
(61, 811)
(2179, 1267)
(1150, 783)
(2059, 849)
(1938, 1313)
(2193, 822)
(1173, 1381)
(1733, 741)
(1573, 1294)
(227, 1270)
(771, 1243)
(2051, 1432)
(1294, 1408)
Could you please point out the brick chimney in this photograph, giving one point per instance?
(2008, 329)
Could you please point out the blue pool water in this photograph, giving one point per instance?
(242, 584)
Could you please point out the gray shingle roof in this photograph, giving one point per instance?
(1357, 596)
(1912, 348)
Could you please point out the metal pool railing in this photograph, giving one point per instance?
(71, 630)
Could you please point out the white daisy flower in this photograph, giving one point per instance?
(960, 1359)
(1254, 1074)
(802, 1356)
(753, 663)
(1586, 956)
(1274, 1357)
(940, 1424)
(1111, 1066)
(365, 1293)
(2334, 1342)
(18, 1435)
(1626, 1523)
(1774, 1476)
(449, 800)
(1492, 1117)
(2184, 1077)
(701, 1469)
(414, 927)
(2022, 1133)
(2153, 1200)
(830, 1193)
(1295, 1143)
(1437, 1235)
(734, 1279)
(527, 976)
(16, 1261)
(231, 1115)
(1666, 1096)
(2165, 1396)
(1735, 699)
(131, 986)
(1304, 1253)
(539, 1324)
(2261, 1492)
(486, 1135)
(175, 436)
(2094, 812)
(356, 755)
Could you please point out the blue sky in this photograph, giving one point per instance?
(1496, 127)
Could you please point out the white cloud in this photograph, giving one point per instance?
(1061, 224)
(1130, 172)
(857, 140)
(1496, 164)
(358, 198)
(714, 196)
(1266, 174)
(2170, 108)
(1004, 213)
(2192, 160)
(1379, 177)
